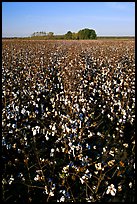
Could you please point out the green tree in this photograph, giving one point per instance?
(93, 34)
(74, 36)
(68, 35)
(87, 34)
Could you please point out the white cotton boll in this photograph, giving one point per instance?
(130, 184)
(51, 154)
(13, 125)
(66, 101)
(46, 190)
(11, 180)
(123, 112)
(114, 136)
(119, 188)
(63, 149)
(36, 178)
(51, 193)
(133, 142)
(54, 127)
(17, 108)
(124, 118)
(29, 126)
(98, 133)
(67, 129)
(70, 144)
(111, 118)
(34, 132)
(83, 109)
(57, 149)
(90, 135)
(111, 153)
(132, 120)
(129, 90)
(73, 152)
(52, 150)
(117, 89)
(111, 190)
(80, 125)
(87, 171)
(125, 145)
(102, 111)
(43, 130)
(28, 112)
(108, 115)
(23, 111)
(52, 100)
(47, 138)
(82, 181)
(111, 109)
(133, 99)
(94, 187)
(62, 199)
(98, 166)
(56, 113)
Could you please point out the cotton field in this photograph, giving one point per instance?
(68, 121)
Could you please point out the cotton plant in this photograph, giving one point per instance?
(63, 137)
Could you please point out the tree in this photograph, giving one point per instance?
(68, 35)
(50, 34)
(74, 36)
(87, 34)
(81, 34)
(41, 33)
(93, 34)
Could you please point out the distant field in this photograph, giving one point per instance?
(68, 120)
(116, 37)
(61, 37)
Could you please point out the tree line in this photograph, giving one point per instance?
(83, 34)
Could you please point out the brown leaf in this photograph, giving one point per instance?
(122, 164)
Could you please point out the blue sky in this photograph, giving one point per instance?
(107, 18)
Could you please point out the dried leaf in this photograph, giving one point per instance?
(122, 164)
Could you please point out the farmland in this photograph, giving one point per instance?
(68, 121)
